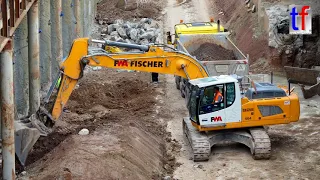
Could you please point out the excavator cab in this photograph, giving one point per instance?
(205, 111)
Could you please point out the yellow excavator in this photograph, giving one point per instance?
(239, 117)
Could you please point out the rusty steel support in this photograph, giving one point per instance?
(33, 56)
(77, 13)
(56, 36)
(7, 113)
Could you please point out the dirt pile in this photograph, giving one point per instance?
(126, 141)
(111, 10)
(211, 52)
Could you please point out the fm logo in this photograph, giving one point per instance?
(300, 19)
(216, 119)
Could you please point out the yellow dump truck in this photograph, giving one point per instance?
(188, 37)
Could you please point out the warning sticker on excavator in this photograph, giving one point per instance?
(286, 102)
(241, 68)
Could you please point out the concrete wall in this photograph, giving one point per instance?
(49, 60)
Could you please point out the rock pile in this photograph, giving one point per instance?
(144, 31)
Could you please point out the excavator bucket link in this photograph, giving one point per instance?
(262, 144)
(199, 142)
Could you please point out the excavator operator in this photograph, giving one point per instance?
(218, 98)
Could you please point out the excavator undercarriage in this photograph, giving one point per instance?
(255, 138)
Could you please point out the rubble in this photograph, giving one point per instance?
(143, 31)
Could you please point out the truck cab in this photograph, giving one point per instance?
(194, 28)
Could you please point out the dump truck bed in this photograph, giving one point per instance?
(191, 43)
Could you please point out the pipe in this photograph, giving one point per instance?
(34, 59)
(56, 36)
(7, 113)
(126, 45)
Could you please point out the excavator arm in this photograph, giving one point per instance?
(149, 59)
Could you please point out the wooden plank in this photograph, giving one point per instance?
(22, 15)
(11, 8)
(23, 4)
(3, 42)
(4, 10)
(17, 8)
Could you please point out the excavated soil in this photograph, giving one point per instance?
(127, 137)
(211, 52)
(112, 10)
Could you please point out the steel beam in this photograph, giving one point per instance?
(56, 36)
(45, 45)
(33, 56)
(7, 113)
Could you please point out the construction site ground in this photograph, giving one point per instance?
(136, 129)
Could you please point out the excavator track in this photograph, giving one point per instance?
(255, 138)
(262, 144)
(199, 141)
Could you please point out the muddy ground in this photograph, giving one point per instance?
(211, 52)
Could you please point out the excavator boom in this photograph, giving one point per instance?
(149, 59)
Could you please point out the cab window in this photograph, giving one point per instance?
(212, 99)
(209, 102)
(230, 94)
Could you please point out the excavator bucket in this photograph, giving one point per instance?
(302, 75)
(25, 138)
(27, 132)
